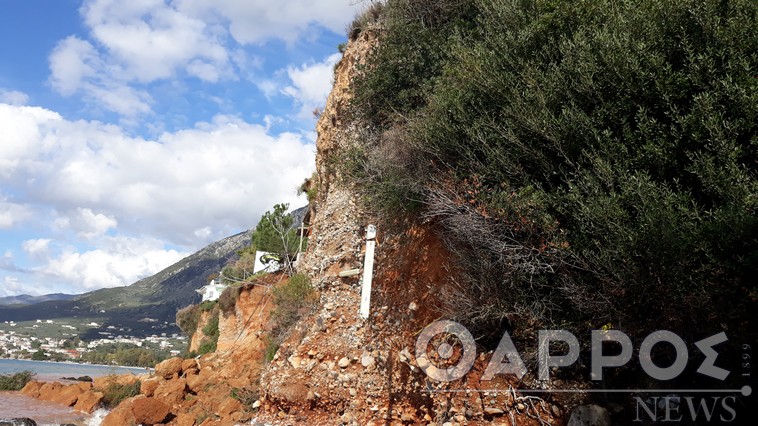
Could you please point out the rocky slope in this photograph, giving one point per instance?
(335, 368)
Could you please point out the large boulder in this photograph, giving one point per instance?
(122, 379)
(48, 391)
(122, 415)
(171, 391)
(169, 367)
(88, 401)
(32, 388)
(149, 411)
(66, 396)
(189, 366)
(148, 386)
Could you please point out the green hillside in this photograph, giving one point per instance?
(145, 307)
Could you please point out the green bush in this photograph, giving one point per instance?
(15, 382)
(115, 392)
(210, 330)
(589, 161)
(293, 299)
(40, 355)
(207, 345)
(371, 15)
(187, 319)
(207, 305)
(228, 299)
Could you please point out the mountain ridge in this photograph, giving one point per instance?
(156, 297)
(28, 299)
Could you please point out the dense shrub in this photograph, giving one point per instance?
(211, 333)
(228, 299)
(371, 15)
(293, 299)
(115, 392)
(589, 161)
(187, 319)
(15, 382)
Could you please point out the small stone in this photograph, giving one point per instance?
(257, 404)
(367, 361)
(294, 360)
(520, 406)
(556, 411)
(412, 306)
(492, 411)
(343, 362)
(405, 355)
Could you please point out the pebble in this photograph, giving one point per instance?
(343, 362)
(294, 360)
(367, 360)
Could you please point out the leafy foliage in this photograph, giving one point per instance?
(125, 354)
(115, 392)
(228, 299)
(15, 382)
(275, 233)
(293, 299)
(589, 161)
(187, 319)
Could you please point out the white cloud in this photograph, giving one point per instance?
(221, 174)
(36, 247)
(134, 43)
(86, 223)
(12, 286)
(13, 97)
(12, 213)
(311, 83)
(255, 21)
(120, 261)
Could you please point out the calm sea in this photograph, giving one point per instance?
(13, 405)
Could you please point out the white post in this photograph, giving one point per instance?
(368, 271)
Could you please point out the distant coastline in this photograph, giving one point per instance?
(52, 370)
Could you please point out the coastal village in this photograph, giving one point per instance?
(21, 340)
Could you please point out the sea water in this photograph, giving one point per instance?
(15, 405)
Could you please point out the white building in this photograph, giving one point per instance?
(211, 291)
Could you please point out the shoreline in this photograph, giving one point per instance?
(77, 363)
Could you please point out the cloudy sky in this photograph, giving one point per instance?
(133, 133)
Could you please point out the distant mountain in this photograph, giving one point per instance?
(146, 307)
(26, 299)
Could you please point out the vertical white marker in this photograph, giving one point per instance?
(368, 270)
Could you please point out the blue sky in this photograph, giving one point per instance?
(135, 133)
